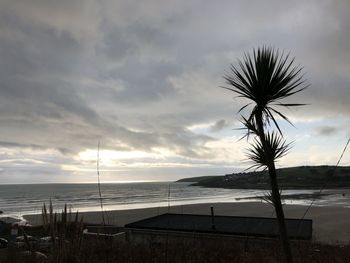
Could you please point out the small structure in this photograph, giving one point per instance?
(104, 232)
(206, 226)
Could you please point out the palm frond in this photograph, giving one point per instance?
(276, 149)
(250, 126)
(268, 197)
(265, 77)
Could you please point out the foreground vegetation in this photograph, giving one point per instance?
(180, 252)
(302, 177)
(65, 242)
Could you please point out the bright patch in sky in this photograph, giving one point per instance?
(144, 78)
(109, 155)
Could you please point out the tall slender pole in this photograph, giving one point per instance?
(99, 183)
(168, 198)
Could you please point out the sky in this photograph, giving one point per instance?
(143, 78)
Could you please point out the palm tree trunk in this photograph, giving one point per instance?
(276, 198)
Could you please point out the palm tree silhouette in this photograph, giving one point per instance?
(266, 77)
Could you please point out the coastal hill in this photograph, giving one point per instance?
(302, 177)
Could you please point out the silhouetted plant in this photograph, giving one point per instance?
(266, 77)
(66, 234)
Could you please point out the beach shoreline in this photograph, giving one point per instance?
(330, 224)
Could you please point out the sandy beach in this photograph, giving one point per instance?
(330, 224)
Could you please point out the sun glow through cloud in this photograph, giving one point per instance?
(110, 155)
(144, 79)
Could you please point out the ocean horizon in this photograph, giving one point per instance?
(17, 200)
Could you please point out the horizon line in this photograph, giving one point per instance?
(105, 182)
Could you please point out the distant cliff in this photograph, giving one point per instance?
(302, 177)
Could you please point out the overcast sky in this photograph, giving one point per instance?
(144, 77)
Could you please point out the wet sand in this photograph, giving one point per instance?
(330, 224)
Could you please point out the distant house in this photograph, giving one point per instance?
(206, 226)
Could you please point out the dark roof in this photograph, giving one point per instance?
(229, 225)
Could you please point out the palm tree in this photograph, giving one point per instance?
(266, 77)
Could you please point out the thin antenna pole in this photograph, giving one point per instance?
(325, 184)
(167, 233)
(99, 183)
(169, 199)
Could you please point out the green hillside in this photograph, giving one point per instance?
(311, 177)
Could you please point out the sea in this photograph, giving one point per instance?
(23, 199)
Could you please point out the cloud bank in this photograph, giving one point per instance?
(144, 78)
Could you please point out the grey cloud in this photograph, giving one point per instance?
(30, 146)
(136, 75)
(327, 130)
(218, 126)
(32, 174)
(145, 82)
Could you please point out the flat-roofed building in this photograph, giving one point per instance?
(206, 226)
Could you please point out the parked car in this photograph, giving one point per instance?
(3, 243)
(21, 242)
(45, 242)
(29, 238)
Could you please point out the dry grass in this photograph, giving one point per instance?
(184, 251)
(209, 251)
